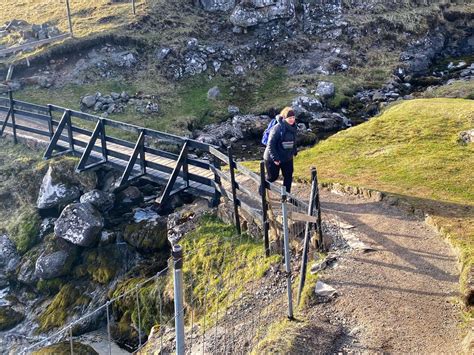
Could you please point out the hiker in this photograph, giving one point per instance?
(281, 148)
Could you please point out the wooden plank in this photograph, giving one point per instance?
(30, 106)
(35, 44)
(296, 216)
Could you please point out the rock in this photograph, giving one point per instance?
(89, 100)
(233, 110)
(50, 266)
(162, 53)
(107, 237)
(65, 346)
(324, 290)
(325, 90)
(184, 220)
(53, 193)
(9, 318)
(129, 197)
(9, 257)
(80, 224)
(251, 13)
(250, 126)
(328, 121)
(217, 5)
(467, 136)
(124, 96)
(115, 95)
(26, 273)
(147, 236)
(192, 44)
(103, 201)
(213, 93)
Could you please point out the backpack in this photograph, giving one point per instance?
(266, 133)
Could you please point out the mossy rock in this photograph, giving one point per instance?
(50, 287)
(56, 314)
(25, 229)
(102, 264)
(9, 318)
(64, 348)
(63, 170)
(123, 333)
(147, 236)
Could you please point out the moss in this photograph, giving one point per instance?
(64, 348)
(150, 296)
(9, 318)
(280, 338)
(308, 295)
(49, 287)
(56, 314)
(102, 264)
(24, 231)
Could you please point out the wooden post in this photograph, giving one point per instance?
(263, 193)
(234, 190)
(68, 10)
(50, 122)
(10, 96)
(133, 7)
(217, 179)
(319, 227)
(307, 237)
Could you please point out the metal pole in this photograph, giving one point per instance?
(70, 340)
(287, 250)
(133, 7)
(265, 223)
(307, 236)
(68, 10)
(178, 298)
(234, 189)
(109, 337)
(10, 96)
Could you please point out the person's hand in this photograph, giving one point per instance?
(277, 162)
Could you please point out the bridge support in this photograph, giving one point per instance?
(99, 130)
(139, 149)
(53, 144)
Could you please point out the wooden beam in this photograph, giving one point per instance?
(99, 130)
(133, 158)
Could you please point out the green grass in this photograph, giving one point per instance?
(220, 265)
(458, 89)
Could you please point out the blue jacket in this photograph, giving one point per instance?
(281, 147)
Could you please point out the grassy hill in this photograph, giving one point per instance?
(413, 151)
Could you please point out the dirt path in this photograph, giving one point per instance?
(401, 297)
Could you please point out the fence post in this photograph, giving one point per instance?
(307, 233)
(265, 223)
(133, 7)
(178, 298)
(68, 10)
(319, 227)
(10, 96)
(50, 122)
(234, 189)
(287, 250)
(217, 179)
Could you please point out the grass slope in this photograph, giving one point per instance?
(411, 150)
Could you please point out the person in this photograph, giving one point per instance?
(281, 148)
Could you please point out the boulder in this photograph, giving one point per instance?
(148, 235)
(89, 101)
(129, 198)
(467, 136)
(65, 346)
(80, 224)
(103, 201)
(250, 126)
(9, 257)
(261, 11)
(53, 193)
(50, 266)
(9, 318)
(325, 90)
(329, 121)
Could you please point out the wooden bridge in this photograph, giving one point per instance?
(150, 153)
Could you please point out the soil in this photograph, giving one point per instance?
(400, 297)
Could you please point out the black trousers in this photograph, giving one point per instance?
(273, 171)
